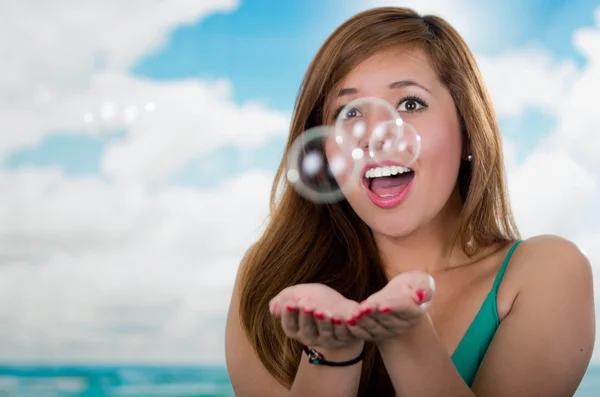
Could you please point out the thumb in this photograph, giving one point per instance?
(423, 286)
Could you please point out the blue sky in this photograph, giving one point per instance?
(264, 47)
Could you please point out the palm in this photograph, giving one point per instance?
(417, 285)
(315, 315)
(395, 308)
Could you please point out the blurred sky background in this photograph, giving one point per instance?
(139, 138)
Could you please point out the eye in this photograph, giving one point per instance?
(351, 113)
(411, 104)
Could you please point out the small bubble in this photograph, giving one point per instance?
(312, 163)
(130, 114)
(293, 176)
(338, 165)
(359, 130)
(109, 111)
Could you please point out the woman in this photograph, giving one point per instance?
(351, 282)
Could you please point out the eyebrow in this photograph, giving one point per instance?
(395, 85)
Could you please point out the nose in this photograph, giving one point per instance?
(371, 132)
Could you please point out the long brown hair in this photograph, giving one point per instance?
(329, 244)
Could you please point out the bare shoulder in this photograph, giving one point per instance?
(247, 374)
(544, 344)
(549, 261)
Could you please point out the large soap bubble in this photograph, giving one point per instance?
(376, 124)
(322, 165)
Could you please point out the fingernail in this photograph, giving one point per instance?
(420, 295)
(367, 311)
(320, 316)
(336, 321)
(290, 308)
(307, 310)
(351, 322)
(386, 310)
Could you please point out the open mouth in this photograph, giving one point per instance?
(387, 181)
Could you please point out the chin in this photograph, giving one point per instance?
(392, 226)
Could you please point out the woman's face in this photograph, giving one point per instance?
(397, 205)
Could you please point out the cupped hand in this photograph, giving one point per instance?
(316, 315)
(394, 309)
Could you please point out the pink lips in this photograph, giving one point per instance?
(385, 202)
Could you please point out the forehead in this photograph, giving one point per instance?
(391, 65)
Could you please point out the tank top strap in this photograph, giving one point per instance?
(500, 274)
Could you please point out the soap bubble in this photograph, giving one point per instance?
(395, 140)
(376, 124)
(322, 165)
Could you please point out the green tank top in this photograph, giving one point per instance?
(474, 344)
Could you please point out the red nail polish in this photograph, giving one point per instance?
(386, 310)
(336, 321)
(320, 316)
(420, 294)
(367, 311)
(351, 322)
(359, 316)
(290, 308)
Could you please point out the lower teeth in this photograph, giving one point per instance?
(387, 195)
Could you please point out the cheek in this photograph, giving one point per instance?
(343, 167)
(444, 149)
(441, 150)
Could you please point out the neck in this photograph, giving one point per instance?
(430, 249)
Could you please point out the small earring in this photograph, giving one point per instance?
(470, 157)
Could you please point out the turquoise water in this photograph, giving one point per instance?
(145, 381)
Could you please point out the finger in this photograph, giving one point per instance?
(358, 332)
(290, 320)
(283, 298)
(275, 308)
(324, 323)
(369, 305)
(308, 329)
(364, 327)
(401, 304)
(341, 333)
(369, 323)
(389, 320)
(274, 305)
(423, 287)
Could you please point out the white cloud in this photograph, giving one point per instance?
(191, 118)
(125, 269)
(50, 50)
(167, 123)
(95, 271)
(525, 79)
(553, 193)
(556, 188)
(578, 127)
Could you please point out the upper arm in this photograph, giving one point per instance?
(247, 374)
(544, 345)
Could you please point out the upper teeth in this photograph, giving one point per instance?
(387, 170)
